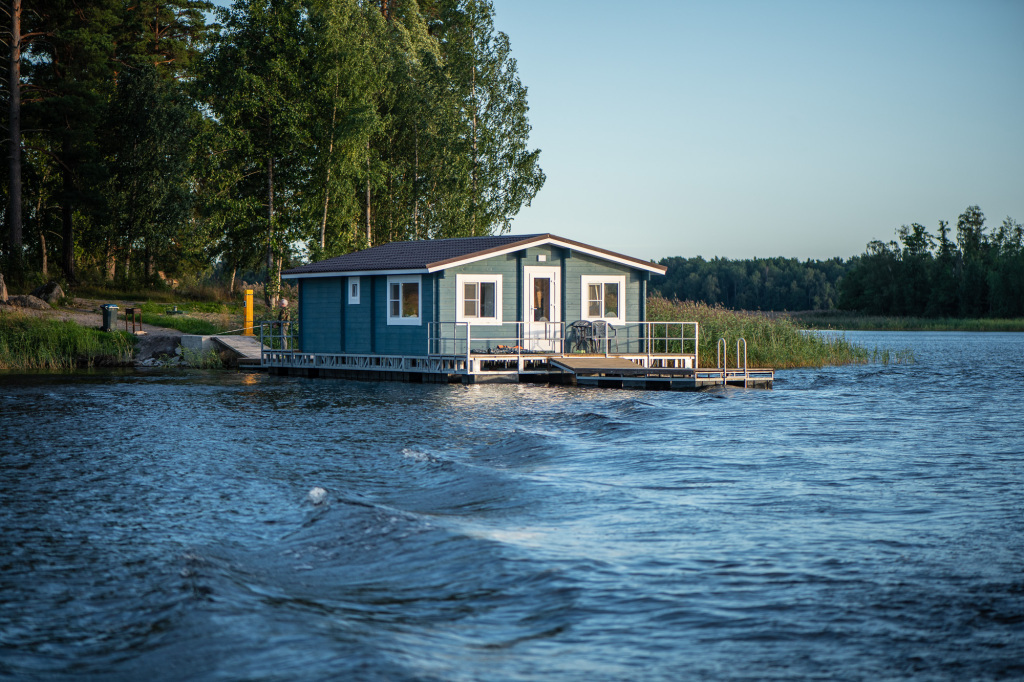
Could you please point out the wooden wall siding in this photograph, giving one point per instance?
(399, 339)
(580, 264)
(358, 319)
(320, 314)
(506, 265)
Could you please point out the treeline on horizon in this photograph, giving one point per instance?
(175, 136)
(976, 272)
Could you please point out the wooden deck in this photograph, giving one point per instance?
(613, 372)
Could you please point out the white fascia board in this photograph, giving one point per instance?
(355, 273)
(640, 265)
(557, 242)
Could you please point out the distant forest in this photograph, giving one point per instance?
(758, 284)
(975, 273)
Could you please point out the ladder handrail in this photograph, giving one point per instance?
(744, 341)
(722, 353)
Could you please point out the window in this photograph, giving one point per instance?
(404, 299)
(479, 299)
(353, 290)
(602, 298)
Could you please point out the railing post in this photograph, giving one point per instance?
(723, 358)
(696, 347)
(744, 358)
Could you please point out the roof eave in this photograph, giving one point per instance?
(354, 273)
(540, 240)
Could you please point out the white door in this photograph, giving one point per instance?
(543, 307)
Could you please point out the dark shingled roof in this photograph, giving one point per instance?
(409, 255)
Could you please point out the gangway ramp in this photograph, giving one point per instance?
(248, 349)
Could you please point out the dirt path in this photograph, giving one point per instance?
(86, 312)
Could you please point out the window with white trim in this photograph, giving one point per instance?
(353, 290)
(478, 299)
(603, 298)
(404, 299)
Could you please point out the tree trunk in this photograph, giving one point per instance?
(14, 131)
(42, 248)
(369, 233)
(67, 223)
(110, 264)
(473, 39)
(231, 287)
(416, 188)
(327, 185)
(269, 292)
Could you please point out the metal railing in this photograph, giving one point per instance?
(509, 339)
(278, 336)
(518, 338)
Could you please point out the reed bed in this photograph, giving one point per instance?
(850, 322)
(32, 343)
(776, 343)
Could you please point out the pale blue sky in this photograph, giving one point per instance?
(754, 129)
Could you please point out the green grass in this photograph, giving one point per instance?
(183, 323)
(778, 343)
(28, 343)
(853, 322)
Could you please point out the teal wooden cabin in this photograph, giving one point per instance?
(497, 308)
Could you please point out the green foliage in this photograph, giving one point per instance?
(158, 142)
(758, 284)
(771, 342)
(29, 343)
(200, 359)
(981, 274)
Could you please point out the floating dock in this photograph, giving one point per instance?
(653, 360)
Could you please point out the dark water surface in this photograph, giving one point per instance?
(855, 523)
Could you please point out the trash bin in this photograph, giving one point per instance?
(109, 317)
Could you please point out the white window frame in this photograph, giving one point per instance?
(354, 287)
(460, 299)
(586, 281)
(402, 280)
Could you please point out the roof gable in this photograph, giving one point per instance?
(432, 255)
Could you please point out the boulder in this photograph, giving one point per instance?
(3, 289)
(49, 292)
(29, 301)
(155, 346)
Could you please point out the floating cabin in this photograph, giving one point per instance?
(510, 308)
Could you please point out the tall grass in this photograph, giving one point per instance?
(776, 343)
(36, 343)
(852, 322)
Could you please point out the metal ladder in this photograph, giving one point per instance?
(722, 353)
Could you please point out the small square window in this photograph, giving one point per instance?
(479, 299)
(404, 300)
(602, 298)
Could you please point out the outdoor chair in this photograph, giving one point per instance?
(580, 337)
(603, 333)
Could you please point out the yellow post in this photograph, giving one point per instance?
(248, 312)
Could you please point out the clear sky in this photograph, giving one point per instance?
(755, 129)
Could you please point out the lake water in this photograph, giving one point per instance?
(857, 522)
